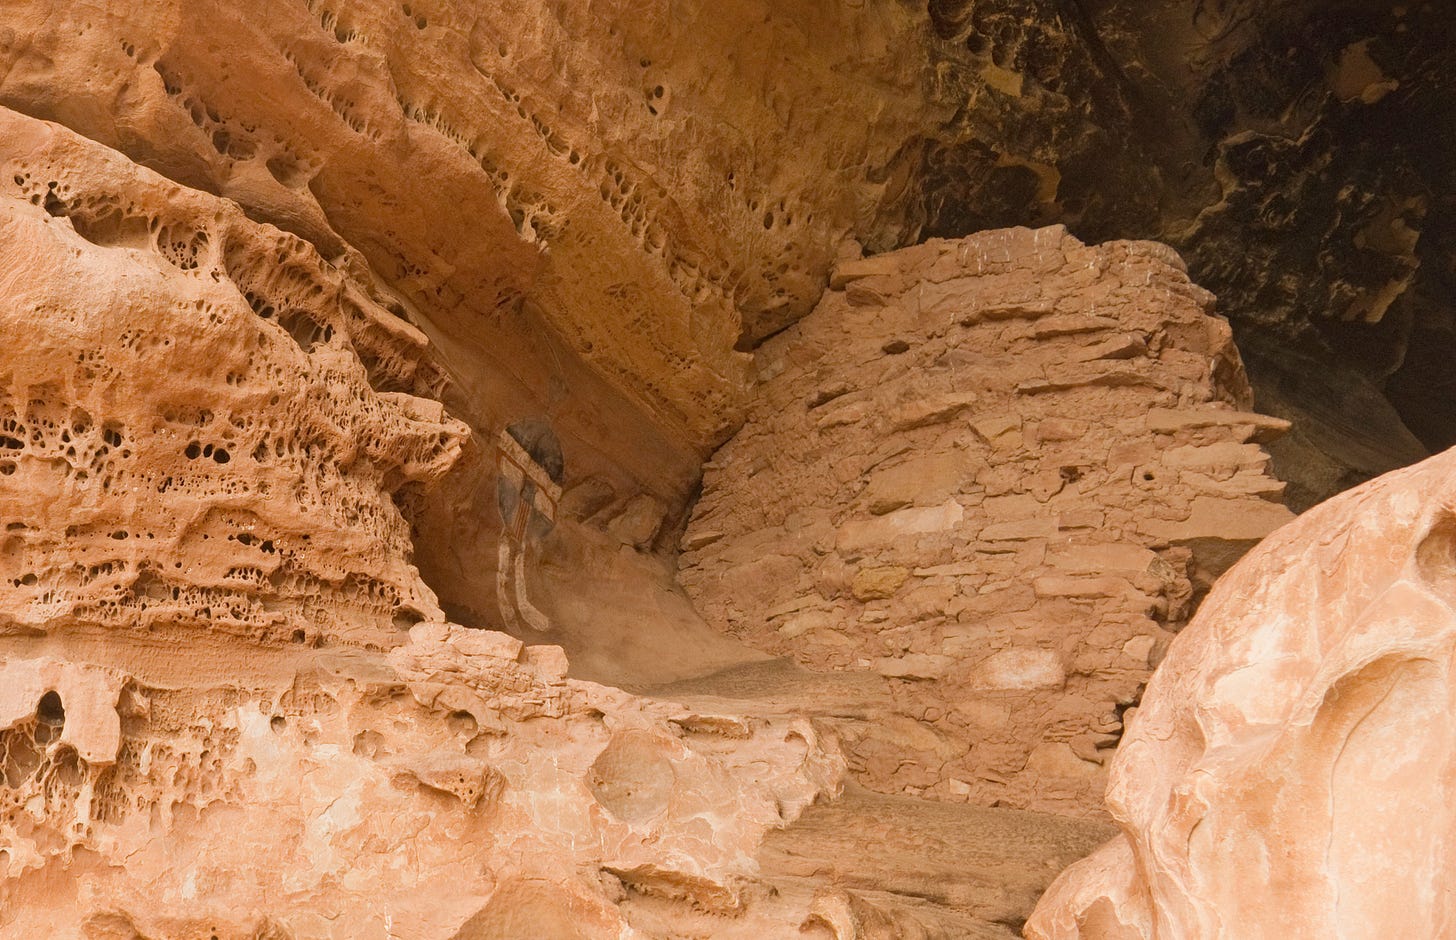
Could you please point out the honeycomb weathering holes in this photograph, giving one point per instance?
(50, 710)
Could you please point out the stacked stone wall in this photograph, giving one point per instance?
(995, 471)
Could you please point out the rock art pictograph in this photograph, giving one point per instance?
(528, 490)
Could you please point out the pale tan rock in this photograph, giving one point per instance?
(1140, 647)
(1099, 557)
(1057, 759)
(936, 409)
(700, 539)
(996, 429)
(1233, 519)
(1287, 772)
(78, 700)
(1060, 429)
(1020, 530)
(927, 480)
(856, 268)
(1020, 669)
(1061, 586)
(859, 534)
(800, 624)
(914, 666)
(1261, 427)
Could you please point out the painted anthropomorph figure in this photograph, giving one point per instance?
(528, 489)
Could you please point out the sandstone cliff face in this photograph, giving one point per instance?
(354, 351)
(991, 471)
(1287, 773)
(584, 214)
(583, 158)
(227, 705)
(192, 439)
(230, 707)
(588, 206)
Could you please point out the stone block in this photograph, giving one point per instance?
(1019, 668)
(878, 582)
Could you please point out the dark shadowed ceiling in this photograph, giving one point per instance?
(1297, 152)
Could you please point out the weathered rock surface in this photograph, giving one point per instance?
(1292, 152)
(991, 471)
(228, 706)
(1289, 770)
(585, 214)
(461, 788)
(189, 435)
(585, 159)
(587, 206)
(328, 323)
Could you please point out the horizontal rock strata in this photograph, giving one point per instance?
(995, 471)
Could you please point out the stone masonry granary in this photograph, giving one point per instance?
(995, 471)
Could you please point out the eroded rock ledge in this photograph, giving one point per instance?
(463, 787)
(189, 433)
(228, 704)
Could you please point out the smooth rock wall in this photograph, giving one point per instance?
(1290, 769)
